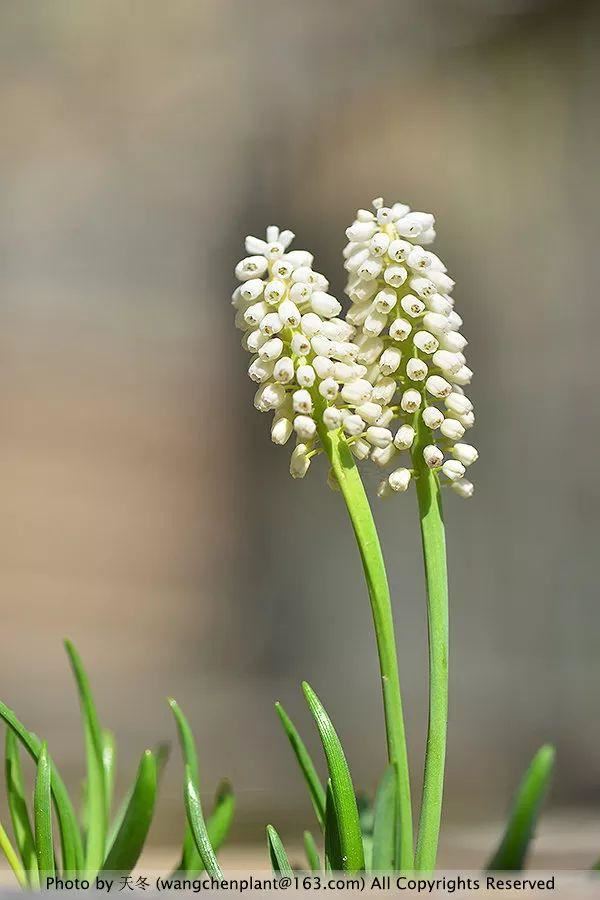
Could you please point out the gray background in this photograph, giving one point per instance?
(146, 514)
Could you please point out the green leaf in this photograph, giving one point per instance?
(72, 849)
(198, 826)
(109, 764)
(312, 854)
(133, 831)
(42, 817)
(342, 789)
(316, 789)
(15, 793)
(96, 815)
(511, 853)
(279, 860)
(384, 826)
(220, 819)
(333, 849)
(190, 858)
(161, 755)
(11, 856)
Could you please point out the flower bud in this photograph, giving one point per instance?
(361, 231)
(256, 313)
(465, 453)
(400, 329)
(299, 461)
(310, 324)
(321, 345)
(260, 371)
(443, 282)
(385, 300)
(305, 376)
(410, 401)
(289, 314)
(453, 341)
(353, 425)
(448, 362)
(360, 448)
(255, 340)
(271, 349)
(416, 369)
(283, 371)
(332, 418)
(390, 360)
(438, 304)
(251, 267)
(379, 437)
(412, 306)
(369, 270)
(375, 323)
(300, 292)
(251, 290)
(452, 429)
(425, 342)
(453, 469)
(405, 437)
(329, 389)
(370, 350)
(274, 291)
(438, 386)
(369, 412)
(399, 480)
(271, 324)
(458, 403)
(323, 366)
(383, 392)
(357, 392)
(463, 488)
(432, 417)
(379, 243)
(300, 345)
(302, 402)
(463, 376)
(382, 456)
(305, 427)
(395, 276)
(269, 396)
(324, 304)
(383, 489)
(436, 323)
(281, 429)
(433, 456)
(399, 250)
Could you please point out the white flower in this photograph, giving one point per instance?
(399, 480)
(305, 362)
(463, 488)
(408, 332)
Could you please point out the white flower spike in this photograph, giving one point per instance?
(305, 363)
(409, 337)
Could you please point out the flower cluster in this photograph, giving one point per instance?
(408, 334)
(304, 360)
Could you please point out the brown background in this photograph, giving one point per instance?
(146, 514)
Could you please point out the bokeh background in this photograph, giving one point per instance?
(146, 514)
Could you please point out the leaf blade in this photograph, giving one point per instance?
(385, 823)
(15, 793)
(198, 826)
(42, 817)
(342, 789)
(96, 790)
(307, 767)
(133, 831)
(312, 854)
(70, 836)
(512, 850)
(221, 817)
(12, 857)
(279, 858)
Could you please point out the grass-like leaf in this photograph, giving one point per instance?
(72, 848)
(279, 859)
(312, 853)
(198, 826)
(15, 794)
(511, 853)
(333, 848)
(342, 789)
(221, 817)
(109, 764)
(42, 817)
(313, 782)
(96, 815)
(190, 858)
(131, 836)
(385, 823)
(161, 755)
(12, 857)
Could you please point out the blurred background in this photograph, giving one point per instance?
(146, 514)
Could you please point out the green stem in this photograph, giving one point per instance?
(436, 577)
(353, 491)
(13, 860)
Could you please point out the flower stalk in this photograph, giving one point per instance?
(359, 510)
(436, 578)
